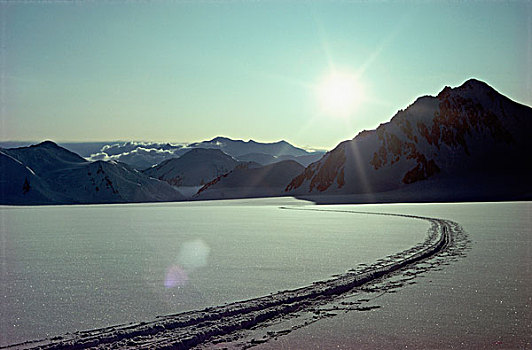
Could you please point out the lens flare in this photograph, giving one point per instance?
(192, 255)
(176, 276)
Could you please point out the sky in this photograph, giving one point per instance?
(174, 71)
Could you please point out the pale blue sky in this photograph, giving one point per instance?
(184, 71)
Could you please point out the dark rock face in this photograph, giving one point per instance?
(322, 178)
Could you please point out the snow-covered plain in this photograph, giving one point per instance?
(67, 268)
(80, 267)
(482, 300)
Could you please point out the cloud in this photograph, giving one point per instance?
(152, 151)
(99, 156)
(140, 155)
(119, 148)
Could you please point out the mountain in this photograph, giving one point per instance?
(245, 181)
(466, 143)
(196, 167)
(45, 157)
(49, 174)
(238, 148)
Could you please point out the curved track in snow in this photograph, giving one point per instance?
(189, 329)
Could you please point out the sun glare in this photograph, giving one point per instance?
(339, 94)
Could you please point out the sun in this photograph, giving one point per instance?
(339, 94)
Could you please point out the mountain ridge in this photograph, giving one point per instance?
(142, 155)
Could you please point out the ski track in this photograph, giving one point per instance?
(194, 328)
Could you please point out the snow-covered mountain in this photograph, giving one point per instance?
(142, 155)
(49, 174)
(196, 167)
(245, 181)
(467, 142)
(237, 148)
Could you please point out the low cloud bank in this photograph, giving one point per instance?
(140, 155)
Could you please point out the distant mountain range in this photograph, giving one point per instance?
(467, 143)
(238, 148)
(200, 166)
(49, 174)
(142, 155)
(262, 153)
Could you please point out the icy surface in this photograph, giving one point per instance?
(445, 292)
